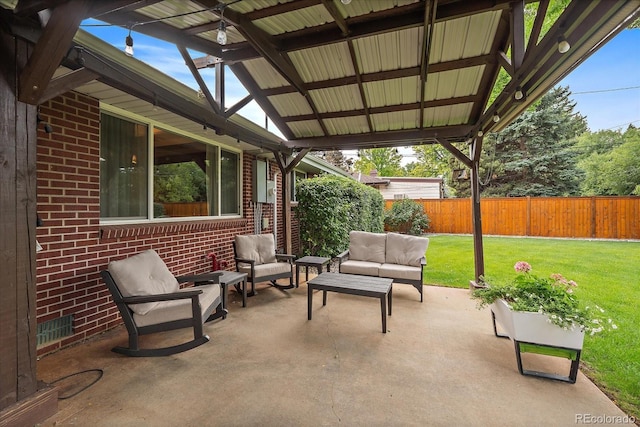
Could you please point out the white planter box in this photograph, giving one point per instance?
(535, 328)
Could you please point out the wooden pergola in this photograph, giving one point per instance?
(331, 76)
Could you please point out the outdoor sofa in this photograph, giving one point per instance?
(392, 255)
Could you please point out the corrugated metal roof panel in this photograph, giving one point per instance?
(392, 92)
(447, 116)
(363, 7)
(477, 34)
(290, 104)
(179, 14)
(264, 74)
(343, 98)
(454, 83)
(296, 20)
(347, 126)
(324, 62)
(250, 6)
(306, 129)
(483, 27)
(389, 51)
(396, 120)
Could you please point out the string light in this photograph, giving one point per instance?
(222, 33)
(519, 94)
(563, 45)
(222, 29)
(128, 44)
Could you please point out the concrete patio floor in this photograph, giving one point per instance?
(267, 365)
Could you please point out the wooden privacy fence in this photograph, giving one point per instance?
(587, 217)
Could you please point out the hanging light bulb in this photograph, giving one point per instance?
(222, 33)
(563, 45)
(346, 1)
(496, 118)
(128, 48)
(519, 94)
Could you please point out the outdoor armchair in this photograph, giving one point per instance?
(150, 300)
(256, 255)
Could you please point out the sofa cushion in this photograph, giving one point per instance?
(263, 270)
(365, 246)
(167, 311)
(258, 247)
(397, 271)
(366, 268)
(143, 274)
(405, 250)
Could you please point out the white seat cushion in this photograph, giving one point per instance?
(167, 311)
(143, 274)
(405, 250)
(396, 271)
(263, 270)
(366, 268)
(365, 246)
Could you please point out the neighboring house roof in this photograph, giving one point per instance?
(371, 179)
(316, 165)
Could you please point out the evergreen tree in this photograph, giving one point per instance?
(533, 155)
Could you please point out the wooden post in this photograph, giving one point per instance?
(286, 211)
(478, 250)
(21, 401)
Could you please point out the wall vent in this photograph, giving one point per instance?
(54, 330)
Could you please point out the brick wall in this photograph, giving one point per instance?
(76, 248)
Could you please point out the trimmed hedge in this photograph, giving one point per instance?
(329, 207)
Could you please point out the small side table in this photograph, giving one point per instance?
(233, 278)
(310, 261)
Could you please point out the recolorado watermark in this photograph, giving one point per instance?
(604, 419)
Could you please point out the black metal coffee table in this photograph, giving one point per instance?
(352, 284)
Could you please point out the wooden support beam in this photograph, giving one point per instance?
(363, 96)
(337, 17)
(517, 35)
(196, 75)
(456, 153)
(429, 22)
(286, 164)
(238, 105)
(52, 46)
(220, 88)
(23, 401)
(478, 249)
(67, 82)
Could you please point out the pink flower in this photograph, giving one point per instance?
(522, 267)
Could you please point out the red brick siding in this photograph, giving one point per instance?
(76, 247)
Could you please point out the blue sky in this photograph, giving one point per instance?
(593, 83)
(605, 87)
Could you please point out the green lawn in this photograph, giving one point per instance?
(607, 273)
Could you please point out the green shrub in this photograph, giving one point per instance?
(406, 216)
(329, 207)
